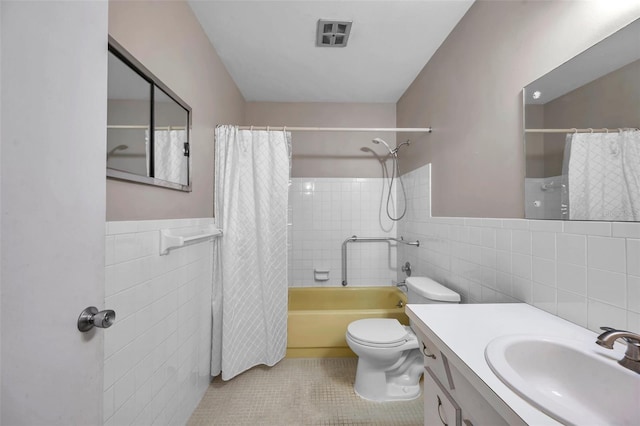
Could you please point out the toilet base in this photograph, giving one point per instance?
(401, 382)
(393, 393)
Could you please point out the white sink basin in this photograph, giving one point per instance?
(571, 381)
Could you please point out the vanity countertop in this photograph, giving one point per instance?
(466, 329)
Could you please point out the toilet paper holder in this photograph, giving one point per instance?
(321, 274)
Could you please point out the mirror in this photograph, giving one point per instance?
(582, 142)
(128, 118)
(137, 102)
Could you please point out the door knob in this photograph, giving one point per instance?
(90, 318)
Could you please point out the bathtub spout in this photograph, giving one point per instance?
(399, 284)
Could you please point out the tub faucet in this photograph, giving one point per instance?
(631, 358)
(402, 283)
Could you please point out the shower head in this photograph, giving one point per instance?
(380, 141)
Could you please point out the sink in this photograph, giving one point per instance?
(572, 381)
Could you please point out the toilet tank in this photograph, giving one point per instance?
(425, 290)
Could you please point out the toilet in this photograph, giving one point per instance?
(390, 363)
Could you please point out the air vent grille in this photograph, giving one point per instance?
(333, 33)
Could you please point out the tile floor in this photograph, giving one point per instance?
(299, 392)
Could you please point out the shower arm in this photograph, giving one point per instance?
(356, 239)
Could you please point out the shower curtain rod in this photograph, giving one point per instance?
(574, 130)
(119, 126)
(338, 129)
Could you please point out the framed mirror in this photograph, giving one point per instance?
(582, 142)
(148, 126)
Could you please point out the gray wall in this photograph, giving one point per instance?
(470, 92)
(167, 39)
(330, 154)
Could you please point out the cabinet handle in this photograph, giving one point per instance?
(426, 352)
(439, 414)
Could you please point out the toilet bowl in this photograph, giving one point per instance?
(389, 360)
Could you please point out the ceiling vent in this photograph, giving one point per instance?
(333, 33)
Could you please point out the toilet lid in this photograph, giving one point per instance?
(378, 331)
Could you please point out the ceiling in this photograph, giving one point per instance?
(269, 47)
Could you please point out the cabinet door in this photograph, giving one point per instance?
(435, 360)
(439, 407)
(475, 407)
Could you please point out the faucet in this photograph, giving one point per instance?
(631, 358)
(399, 284)
(406, 268)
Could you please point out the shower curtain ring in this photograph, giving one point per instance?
(267, 128)
(606, 130)
(251, 129)
(575, 131)
(590, 130)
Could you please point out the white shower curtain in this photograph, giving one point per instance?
(604, 176)
(169, 161)
(250, 265)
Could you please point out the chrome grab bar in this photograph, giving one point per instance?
(356, 239)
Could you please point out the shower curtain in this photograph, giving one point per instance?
(169, 161)
(250, 265)
(604, 176)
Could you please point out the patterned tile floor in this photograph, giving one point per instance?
(299, 392)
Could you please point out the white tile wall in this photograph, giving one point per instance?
(585, 272)
(157, 354)
(323, 212)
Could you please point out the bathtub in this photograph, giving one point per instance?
(319, 316)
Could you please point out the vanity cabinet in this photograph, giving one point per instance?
(439, 405)
(449, 396)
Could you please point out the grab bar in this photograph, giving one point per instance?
(356, 239)
(174, 238)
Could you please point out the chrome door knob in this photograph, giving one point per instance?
(90, 318)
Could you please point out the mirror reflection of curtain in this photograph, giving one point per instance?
(169, 161)
(604, 176)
